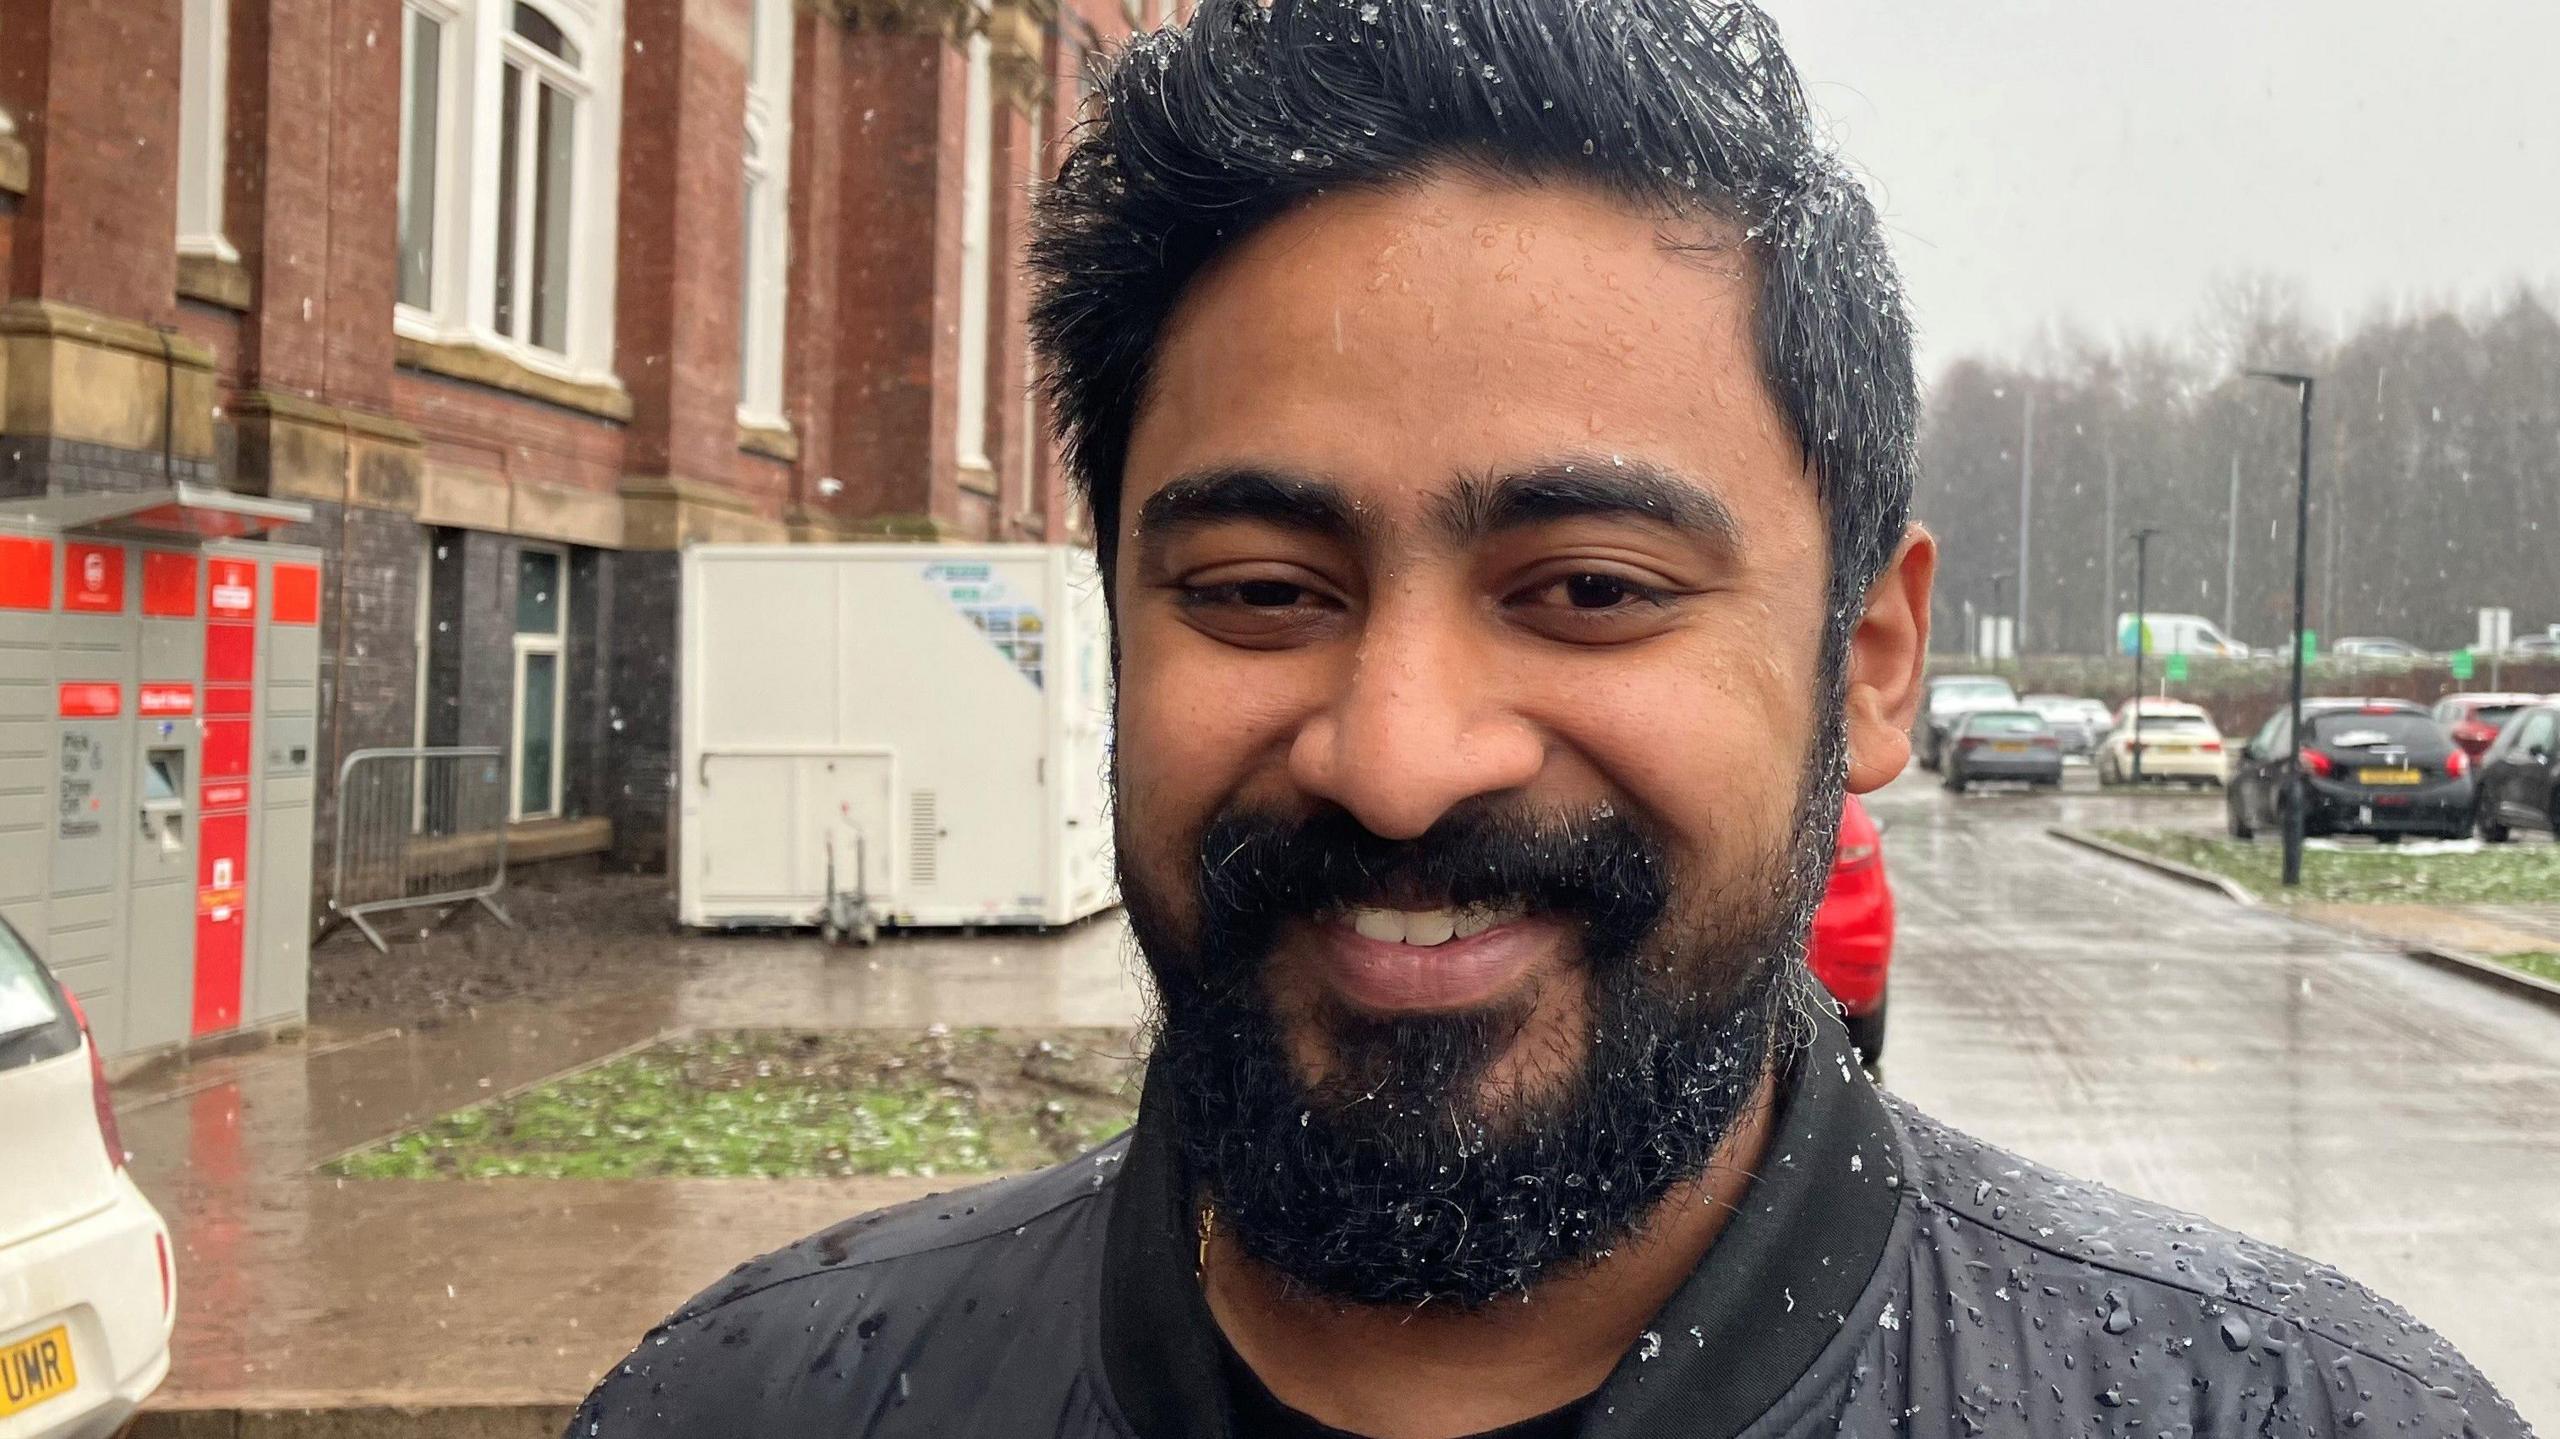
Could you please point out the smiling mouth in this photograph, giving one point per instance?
(1420, 961)
(1427, 928)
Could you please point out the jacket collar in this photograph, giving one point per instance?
(1770, 1294)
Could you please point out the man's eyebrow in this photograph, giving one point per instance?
(1249, 492)
(1612, 488)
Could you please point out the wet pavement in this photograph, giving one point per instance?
(299, 1290)
(2324, 1093)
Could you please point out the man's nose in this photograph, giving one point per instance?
(1421, 722)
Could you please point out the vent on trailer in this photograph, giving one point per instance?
(924, 837)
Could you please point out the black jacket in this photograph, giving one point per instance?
(1885, 1275)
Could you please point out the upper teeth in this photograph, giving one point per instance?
(1427, 926)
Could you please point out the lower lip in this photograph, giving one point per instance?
(1391, 977)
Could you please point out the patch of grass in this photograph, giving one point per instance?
(2512, 874)
(2540, 964)
(775, 1105)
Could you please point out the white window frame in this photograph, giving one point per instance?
(556, 645)
(204, 57)
(453, 123)
(765, 270)
(481, 36)
(1034, 501)
(977, 246)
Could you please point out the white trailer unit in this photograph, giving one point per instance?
(892, 734)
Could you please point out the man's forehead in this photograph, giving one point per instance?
(1401, 342)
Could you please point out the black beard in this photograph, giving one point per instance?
(1399, 1178)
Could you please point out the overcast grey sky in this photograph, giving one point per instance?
(2104, 162)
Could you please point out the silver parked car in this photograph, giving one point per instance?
(2078, 723)
(2013, 744)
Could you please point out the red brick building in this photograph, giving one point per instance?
(520, 296)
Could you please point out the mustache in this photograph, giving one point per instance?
(1258, 870)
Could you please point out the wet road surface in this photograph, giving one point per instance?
(2334, 1097)
(2317, 1091)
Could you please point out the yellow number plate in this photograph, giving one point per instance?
(2009, 747)
(34, 1370)
(2387, 776)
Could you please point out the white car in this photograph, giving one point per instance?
(87, 1292)
(2179, 742)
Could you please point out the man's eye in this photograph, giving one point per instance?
(1267, 594)
(1593, 592)
(1247, 594)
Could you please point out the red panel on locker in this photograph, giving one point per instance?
(226, 748)
(297, 595)
(230, 653)
(222, 884)
(230, 700)
(88, 699)
(168, 585)
(26, 573)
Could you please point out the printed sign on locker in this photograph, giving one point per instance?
(167, 699)
(231, 589)
(93, 579)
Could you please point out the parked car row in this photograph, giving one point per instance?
(2476, 764)
(2480, 763)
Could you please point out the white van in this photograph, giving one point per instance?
(2179, 635)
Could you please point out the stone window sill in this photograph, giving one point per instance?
(214, 280)
(978, 477)
(774, 442)
(477, 365)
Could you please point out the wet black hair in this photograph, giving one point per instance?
(1200, 133)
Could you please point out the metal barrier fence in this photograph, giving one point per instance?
(418, 827)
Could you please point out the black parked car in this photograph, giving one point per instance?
(2379, 767)
(2520, 776)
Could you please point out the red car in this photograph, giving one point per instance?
(2475, 719)
(1853, 930)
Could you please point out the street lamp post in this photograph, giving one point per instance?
(2293, 808)
(1991, 619)
(2141, 634)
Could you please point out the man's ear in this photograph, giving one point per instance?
(1887, 653)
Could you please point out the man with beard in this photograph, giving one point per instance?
(1497, 421)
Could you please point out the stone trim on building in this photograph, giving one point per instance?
(75, 375)
(479, 365)
(294, 447)
(668, 512)
(774, 442)
(13, 160)
(214, 280)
